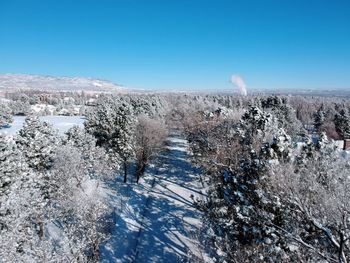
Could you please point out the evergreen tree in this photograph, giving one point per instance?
(20, 108)
(238, 209)
(21, 208)
(285, 114)
(319, 119)
(38, 142)
(95, 158)
(8, 163)
(342, 124)
(112, 122)
(5, 115)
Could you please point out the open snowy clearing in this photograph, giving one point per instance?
(60, 123)
(156, 220)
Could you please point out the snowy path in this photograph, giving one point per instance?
(167, 224)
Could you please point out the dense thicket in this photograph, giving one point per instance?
(51, 203)
(128, 127)
(274, 193)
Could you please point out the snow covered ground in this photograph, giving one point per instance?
(61, 123)
(156, 220)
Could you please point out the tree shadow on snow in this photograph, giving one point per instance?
(153, 228)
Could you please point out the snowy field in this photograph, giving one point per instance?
(60, 123)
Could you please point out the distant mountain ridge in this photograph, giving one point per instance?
(10, 81)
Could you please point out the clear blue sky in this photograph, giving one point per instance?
(180, 44)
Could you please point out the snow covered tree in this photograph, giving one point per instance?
(150, 105)
(285, 114)
(268, 201)
(77, 206)
(22, 237)
(315, 199)
(149, 136)
(254, 122)
(19, 104)
(53, 215)
(280, 147)
(38, 142)
(8, 163)
(21, 209)
(319, 119)
(112, 122)
(20, 108)
(96, 159)
(5, 115)
(342, 124)
(52, 205)
(304, 108)
(237, 208)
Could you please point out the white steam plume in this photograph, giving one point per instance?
(238, 81)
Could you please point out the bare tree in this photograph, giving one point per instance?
(316, 197)
(150, 135)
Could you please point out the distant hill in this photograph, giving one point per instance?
(50, 83)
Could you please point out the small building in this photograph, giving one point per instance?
(91, 102)
(346, 146)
